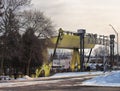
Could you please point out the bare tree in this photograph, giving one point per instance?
(39, 22)
(35, 22)
(10, 6)
(100, 51)
(9, 28)
(32, 49)
(1, 7)
(41, 27)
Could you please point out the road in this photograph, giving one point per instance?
(66, 84)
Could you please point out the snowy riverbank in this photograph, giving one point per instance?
(109, 79)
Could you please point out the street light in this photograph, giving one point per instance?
(117, 41)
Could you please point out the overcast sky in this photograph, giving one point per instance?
(92, 15)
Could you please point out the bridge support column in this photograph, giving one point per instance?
(112, 51)
(81, 33)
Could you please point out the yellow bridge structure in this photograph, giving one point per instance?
(69, 40)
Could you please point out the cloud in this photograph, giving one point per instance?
(94, 15)
(49, 5)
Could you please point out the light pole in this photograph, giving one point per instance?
(117, 42)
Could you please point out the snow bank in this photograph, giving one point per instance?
(25, 78)
(71, 74)
(109, 79)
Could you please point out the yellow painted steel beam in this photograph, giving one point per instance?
(75, 62)
(70, 42)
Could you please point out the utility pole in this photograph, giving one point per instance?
(117, 42)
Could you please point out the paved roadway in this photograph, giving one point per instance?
(66, 84)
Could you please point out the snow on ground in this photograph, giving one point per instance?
(105, 79)
(31, 81)
(109, 79)
(25, 78)
(71, 74)
(26, 83)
